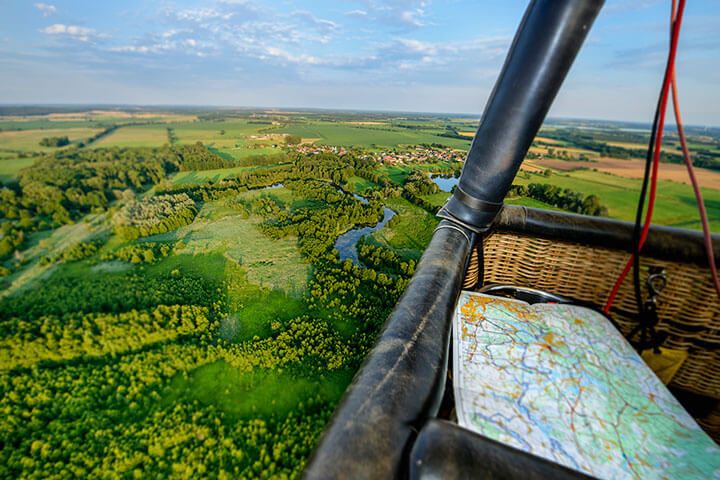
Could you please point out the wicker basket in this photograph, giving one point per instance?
(688, 307)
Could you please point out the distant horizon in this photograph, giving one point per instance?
(669, 123)
(394, 55)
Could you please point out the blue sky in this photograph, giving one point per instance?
(410, 55)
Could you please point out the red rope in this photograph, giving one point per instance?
(656, 154)
(707, 236)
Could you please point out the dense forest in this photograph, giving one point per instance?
(90, 363)
(60, 188)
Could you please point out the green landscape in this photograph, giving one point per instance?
(173, 303)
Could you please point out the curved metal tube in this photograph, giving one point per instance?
(401, 383)
(667, 243)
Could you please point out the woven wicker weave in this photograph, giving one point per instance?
(688, 307)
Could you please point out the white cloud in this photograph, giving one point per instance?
(202, 14)
(357, 13)
(46, 9)
(73, 31)
(288, 57)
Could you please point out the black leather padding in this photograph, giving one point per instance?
(664, 243)
(444, 450)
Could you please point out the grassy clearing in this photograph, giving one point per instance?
(437, 199)
(202, 176)
(261, 393)
(245, 151)
(209, 266)
(395, 173)
(358, 185)
(272, 264)
(253, 308)
(284, 196)
(29, 140)
(409, 232)
(135, 136)
(10, 166)
(52, 243)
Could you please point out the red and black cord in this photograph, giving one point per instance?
(650, 177)
(651, 173)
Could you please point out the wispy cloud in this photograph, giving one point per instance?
(357, 13)
(322, 25)
(46, 9)
(402, 13)
(74, 32)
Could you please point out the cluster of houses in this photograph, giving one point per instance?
(312, 149)
(418, 154)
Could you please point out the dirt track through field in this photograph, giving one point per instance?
(634, 169)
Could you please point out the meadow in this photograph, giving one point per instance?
(675, 204)
(29, 140)
(370, 136)
(134, 136)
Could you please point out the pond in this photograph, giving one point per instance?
(445, 182)
(346, 244)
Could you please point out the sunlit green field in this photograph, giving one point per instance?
(11, 165)
(380, 136)
(29, 140)
(135, 136)
(675, 204)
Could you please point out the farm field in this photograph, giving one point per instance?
(675, 204)
(369, 135)
(134, 136)
(634, 169)
(29, 140)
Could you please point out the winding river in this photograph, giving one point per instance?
(346, 244)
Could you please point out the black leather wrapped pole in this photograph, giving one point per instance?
(542, 52)
(401, 382)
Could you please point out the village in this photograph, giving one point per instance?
(413, 155)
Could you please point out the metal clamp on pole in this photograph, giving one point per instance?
(542, 52)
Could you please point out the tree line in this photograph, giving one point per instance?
(564, 198)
